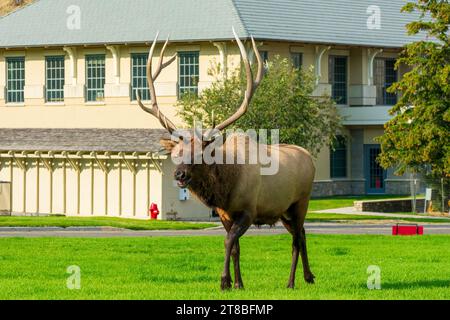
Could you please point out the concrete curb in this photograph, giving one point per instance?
(352, 211)
(58, 229)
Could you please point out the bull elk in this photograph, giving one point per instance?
(238, 192)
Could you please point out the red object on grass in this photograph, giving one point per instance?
(154, 211)
(407, 230)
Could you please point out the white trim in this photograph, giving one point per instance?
(72, 52)
(318, 62)
(187, 48)
(95, 103)
(54, 104)
(222, 47)
(15, 104)
(115, 50)
(297, 49)
(371, 58)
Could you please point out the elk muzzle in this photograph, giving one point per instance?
(182, 177)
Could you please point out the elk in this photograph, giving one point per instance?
(240, 195)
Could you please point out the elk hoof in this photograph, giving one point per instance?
(239, 285)
(226, 283)
(291, 285)
(309, 278)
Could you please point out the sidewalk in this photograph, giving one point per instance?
(352, 211)
(311, 228)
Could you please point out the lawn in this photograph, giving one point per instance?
(344, 201)
(133, 224)
(190, 268)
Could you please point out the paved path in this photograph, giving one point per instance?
(311, 228)
(352, 211)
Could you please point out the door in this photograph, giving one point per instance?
(375, 175)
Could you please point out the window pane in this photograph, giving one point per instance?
(297, 60)
(338, 158)
(338, 78)
(15, 81)
(384, 76)
(188, 72)
(95, 79)
(139, 76)
(54, 86)
(391, 77)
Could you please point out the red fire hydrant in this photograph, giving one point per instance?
(154, 211)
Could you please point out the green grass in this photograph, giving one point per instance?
(334, 217)
(190, 268)
(344, 201)
(133, 224)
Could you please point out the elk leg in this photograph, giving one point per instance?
(301, 210)
(235, 254)
(290, 226)
(294, 225)
(295, 252)
(308, 275)
(239, 227)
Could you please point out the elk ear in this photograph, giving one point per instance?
(168, 144)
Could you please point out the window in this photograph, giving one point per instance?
(297, 60)
(338, 158)
(139, 76)
(384, 76)
(188, 72)
(54, 81)
(15, 79)
(338, 78)
(264, 56)
(95, 78)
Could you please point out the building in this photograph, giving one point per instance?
(73, 141)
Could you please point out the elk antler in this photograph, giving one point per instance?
(251, 85)
(154, 110)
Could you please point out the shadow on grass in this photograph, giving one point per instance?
(416, 284)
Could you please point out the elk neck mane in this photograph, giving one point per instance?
(215, 187)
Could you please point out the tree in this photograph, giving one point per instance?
(283, 101)
(417, 138)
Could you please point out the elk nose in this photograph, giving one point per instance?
(180, 175)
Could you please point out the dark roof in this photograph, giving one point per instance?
(136, 21)
(88, 140)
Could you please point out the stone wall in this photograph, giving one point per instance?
(357, 187)
(399, 187)
(334, 188)
(388, 205)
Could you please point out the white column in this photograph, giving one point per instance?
(222, 47)
(318, 63)
(116, 89)
(321, 88)
(72, 52)
(115, 50)
(73, 90)
(371, 54)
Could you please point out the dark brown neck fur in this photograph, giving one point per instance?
(216, 184)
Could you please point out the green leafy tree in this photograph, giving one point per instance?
(283, 101)
(417, 138)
